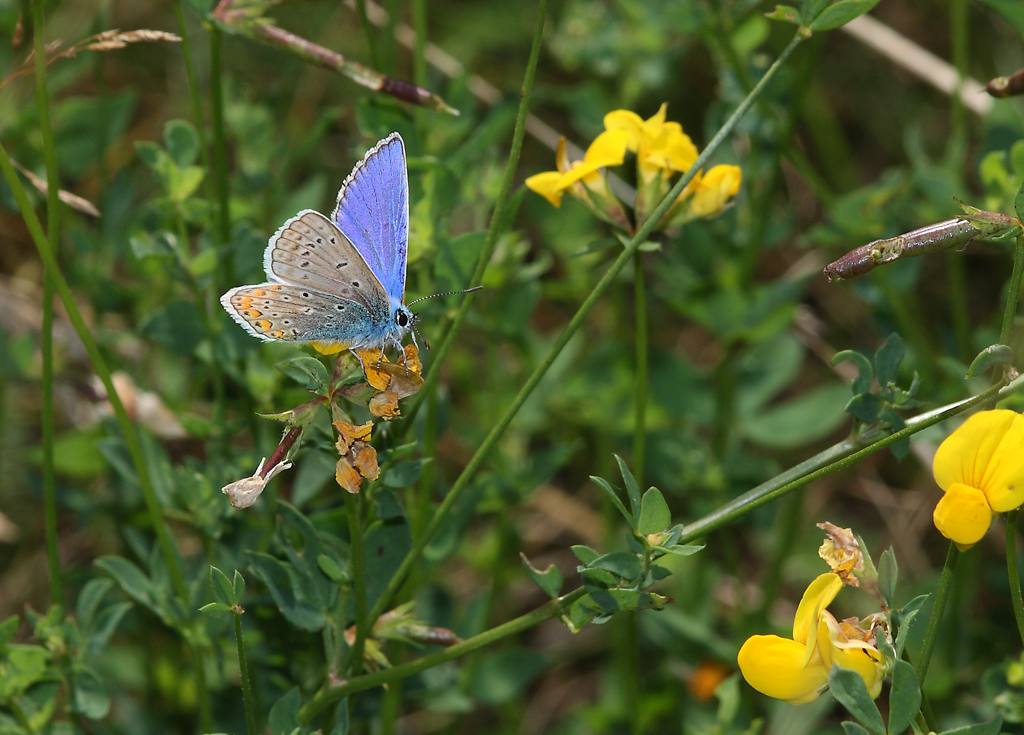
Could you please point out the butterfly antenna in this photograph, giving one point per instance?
(446, 293)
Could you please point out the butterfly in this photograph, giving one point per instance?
(339, 282)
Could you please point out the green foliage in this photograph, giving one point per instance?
(741, 330)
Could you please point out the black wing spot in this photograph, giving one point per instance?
(305, 294)
(339, 307)
(305, 276)
(275, 315)
(333, 241)
(355, 283)
(304, 264)
(286, 298)
(286, 321)
(339, 266)
(320, 240)
(305, 253)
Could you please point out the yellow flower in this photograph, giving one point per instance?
(796, 671)
(980, 467)
(608, 149)
(659, 146)
(713, 190)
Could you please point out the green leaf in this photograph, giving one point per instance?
(584, 553)
(801, 420)
(24, 666)
(222, 588)
(341, 718)
(904, 697)
(596, 246)
(285, 588)
(307, 371)
(500, 676)
(238, 587)
(1018, 202)
(177, 326)
(182, 183)
(9, 629)
(91, 697)
(181, 141)
(384, 546)
(887, 360)
(989, 358)
(331, 568)
(985, 728)
(632, 489)
(683, 549)
(866, 373)
(907, 614)
(887, 573)
(852, 728)
(404, 474)
(89, 600)
(785, 13)
(284, 715)
(848, 687)
(655, 515)
(216, 610)
(625, 564)
(550, 580)
(841, 13)
(614, 497)
(104, 625)
(864, 407)
(131, 579)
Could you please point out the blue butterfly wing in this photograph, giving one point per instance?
(373, 213)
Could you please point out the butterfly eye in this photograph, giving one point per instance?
(402, 319)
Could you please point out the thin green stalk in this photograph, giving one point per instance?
(243, 667)
(220, 160)
(574, 324)
(1011, 568)
(48, 256)
(497, 219)
(202, 691)
(391, 701)
(19, 715)
(941, 595)
(419, 55)
(331, 693)
(1013, 291)
(371, 40)
(641, 377)
(46, 336)
(835, 458)
(194, 95)
(353, 508)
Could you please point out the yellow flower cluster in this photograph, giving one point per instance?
(662, 150)
(796, 670)
(980, 466)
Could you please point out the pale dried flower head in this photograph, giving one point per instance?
(244, 492)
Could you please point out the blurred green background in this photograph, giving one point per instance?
(847, 146)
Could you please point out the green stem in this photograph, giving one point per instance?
(48, 256)
(353, 508)
(220, 160)
(19, 715)
(1011, 568)
(194, 94)
(419, 55)
(497, 219)
(371, 41)
(202, 691)
(1013, 291)
(46, 337)
(574, 324)
(941, 595)
(835, 458)
(243, 667)
(331, 693)
(640, 380)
